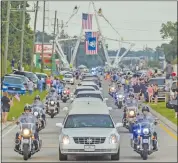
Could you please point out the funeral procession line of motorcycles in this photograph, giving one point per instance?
(33, 120)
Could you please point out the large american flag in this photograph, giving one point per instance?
(87, 21)
(87, 36)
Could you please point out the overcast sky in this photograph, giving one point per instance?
(133, 20)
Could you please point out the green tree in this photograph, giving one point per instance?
(15, 32)
(169, 31)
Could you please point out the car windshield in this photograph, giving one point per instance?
(41, 76)
(93, 95)
(94, 86)
(86, 89)
(157, 81)
(68, 76)
(89, 121)
(12, 80)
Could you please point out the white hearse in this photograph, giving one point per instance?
(89, 130)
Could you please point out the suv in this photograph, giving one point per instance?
(89, 130)
(29, 75)
(161, 81)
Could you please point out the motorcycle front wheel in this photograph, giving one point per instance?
(25, 152)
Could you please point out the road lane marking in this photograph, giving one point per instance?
(9, 131)
(168, 131)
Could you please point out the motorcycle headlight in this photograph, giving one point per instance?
(65, 139)
(112, 88)
(146, 131)
(35, 113)
(52, 102)
(120, 96)
(26, 132)
(138, 131)
(64, 92)
(131, 113)
(113, 139)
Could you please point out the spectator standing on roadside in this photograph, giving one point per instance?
(176, 106)
(12, 64)
(169, 70)
(30, 87)
(6, 104)
(155, 91)
(48, 83)
(150, 93)
(40, 85)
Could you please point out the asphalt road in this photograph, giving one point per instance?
(49, 152)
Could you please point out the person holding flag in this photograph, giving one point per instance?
(6, 104)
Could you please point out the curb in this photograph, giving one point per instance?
(164, 120)
(10, 124)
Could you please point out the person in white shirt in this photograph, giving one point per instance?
(30, 87)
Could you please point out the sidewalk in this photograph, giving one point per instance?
(164, 120)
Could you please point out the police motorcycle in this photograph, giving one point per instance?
(65, 95)
(144, 142)
(38, 112)
(27, 141)
(52, 106)
(112, 90)
(60, 89)
(119, 99)
(130, 113)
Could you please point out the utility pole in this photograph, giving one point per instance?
(42, 62)
(7, 37)
(33, 51)
(53, 40)
(22, 35)
(57, 26)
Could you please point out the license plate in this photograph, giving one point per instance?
(25, 140)
(145, 140)
(89, 148)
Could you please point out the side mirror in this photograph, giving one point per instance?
(109, 108)
(119, 125)
(65, 109)
(59, 125)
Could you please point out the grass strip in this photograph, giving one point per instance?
(167, 113)
(18, 106)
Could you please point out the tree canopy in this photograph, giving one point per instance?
(15, 28)
(169, 31)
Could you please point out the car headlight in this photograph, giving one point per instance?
(52, 102)
(71, 80)
(145, 130)
(35, 113)
(23, 89)
(26, 132)
(131, 113)
(65, 140)
(120, 96)
(113, 139)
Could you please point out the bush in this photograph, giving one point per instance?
(17, 108)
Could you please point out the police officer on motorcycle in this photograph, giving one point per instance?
(146, 115)
(27, 117)
(53, 94)
(38, 102)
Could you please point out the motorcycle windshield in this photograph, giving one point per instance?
(26, 126)
(145, 124)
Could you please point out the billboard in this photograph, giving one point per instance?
(47, 48)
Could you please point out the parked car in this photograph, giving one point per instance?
(29, 75)
(13, 85)
(161, 81)
(24, 78)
